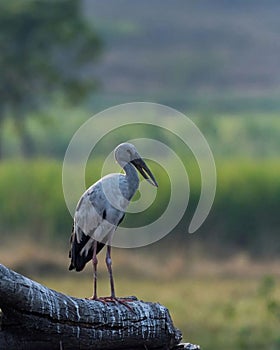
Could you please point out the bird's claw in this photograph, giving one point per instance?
(115, 300)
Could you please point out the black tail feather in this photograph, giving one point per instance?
(79, 261)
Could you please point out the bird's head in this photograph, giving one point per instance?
(127, 153)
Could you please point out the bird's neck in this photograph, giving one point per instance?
(132, 177)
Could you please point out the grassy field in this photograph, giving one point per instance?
(228, 304)
(244, 215)
(217, 313)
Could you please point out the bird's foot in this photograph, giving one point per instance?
(94, 298)
(115, 300)
(122, 301)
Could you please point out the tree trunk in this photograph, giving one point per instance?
(1, 135)
(26, 142)
(35, 317)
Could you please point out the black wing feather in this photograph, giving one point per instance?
(79, 261)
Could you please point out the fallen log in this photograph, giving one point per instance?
(35, 317)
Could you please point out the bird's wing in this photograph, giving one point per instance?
(88, 226)
(79, 261)
(91, 219)
(86, 218)
(95, 219)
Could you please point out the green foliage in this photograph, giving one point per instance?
(269, 297)
(43, 45)
(267, 286)
(46, 49)
(249, 216)
(267, 293)
(241, 135)
(197, 306)
(229, 136)
(244, 215)
(34, 203)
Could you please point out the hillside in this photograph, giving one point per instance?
(189, 53)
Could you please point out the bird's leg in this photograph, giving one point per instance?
(109, 267)
(94, 263)
(113, 294)
(113, 297)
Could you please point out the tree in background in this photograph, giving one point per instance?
(46, 47)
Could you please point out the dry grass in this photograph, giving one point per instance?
(217, 313)
(32, 259)
(216, 304)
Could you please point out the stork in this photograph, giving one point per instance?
(101, 209)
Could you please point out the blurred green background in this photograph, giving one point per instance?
(215, 61)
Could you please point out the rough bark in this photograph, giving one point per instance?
(35, 317)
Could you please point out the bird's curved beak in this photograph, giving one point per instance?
(142, 167)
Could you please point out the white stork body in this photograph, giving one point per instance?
(101, 209)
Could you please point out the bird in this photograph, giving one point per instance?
(101, 209)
